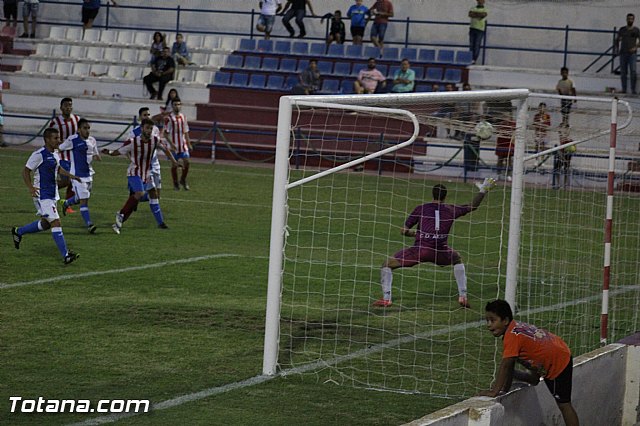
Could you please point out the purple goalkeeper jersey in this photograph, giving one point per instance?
(434, 222)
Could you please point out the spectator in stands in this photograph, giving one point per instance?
(11, 11)
(268, 11)
(162, 70)
(309, 80)
(477, 27)
(382, 10)
(180, 52)
(90, 9)
(565, 87)
(297, 9)
(337, 31)
(168, 105)
(157, 45)
(626, 46)
(30, 9)
(370, 79)
(2, 142)
(404, 78)
(358, 13)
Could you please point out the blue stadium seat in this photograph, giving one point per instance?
(433, 74)
(317, 49)
(283, 47)
(346, 87)
(265, 46)
(463, 57)
(300, 48)
(427, 55)
(291, 81)
(452, 75)
(239, 79)
(342, 68)
(252, 62)
(354, 51)
(424, 88)
(336, 50)
(330, 86)
(392, 71)
(383, 68)
(275, 82)
(325, 67)
(257, 81)
(302, 65)
(221, 78)
(270, 64)
(409, 53)
(390, 54)
(419, 70)
(288, 65)
(247, 45)
(234, 61)
(371, 52)
(445, 56)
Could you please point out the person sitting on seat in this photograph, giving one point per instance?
(162, 70)
(370, 79)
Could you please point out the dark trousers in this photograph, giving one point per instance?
(475, 42)
(299, 14)
(151, 78)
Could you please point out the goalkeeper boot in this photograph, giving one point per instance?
(382, 303)
(462, 300)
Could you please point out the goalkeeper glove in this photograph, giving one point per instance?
(486, 186)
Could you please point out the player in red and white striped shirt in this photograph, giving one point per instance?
(67, 125)
(140, 150)
(176, 131)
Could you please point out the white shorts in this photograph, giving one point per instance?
(153, 181)
(48, 210)
(82, 189)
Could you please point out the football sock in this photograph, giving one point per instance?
(84, 211)
(127, 209)
(386, 278)
(154, 204)
(71, 201)
(144, 198)
(58, 237)
(31, 228)
(174, 175)
(461, 278)
(185, 171)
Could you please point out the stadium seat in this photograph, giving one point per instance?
(257, 81)
(57, 33)
(282, 47)
(433, 74)
(29, 66)
(239, 79)
(204, 77)
(265, 46)
(275, 82)
(78, 51)
(45, 67)
(290, 81)
(91, 35)
(60, 51)
(142, 39)
(342, 68)
(288, 65)
(390, 54)
(214, 60)
(330, 86)
(95, 53)
(252, 62)
(125, 37)
(302, 65)
(64, 68)
(43, 49)
(424, 88)
(186, 76)
(109, 37)
(211, 42)
(384, 69)
(445, 56)
(336, 51)
(463, 57)
(427, 55)
(116, 72)
(112, 54)
(228, 43)
(409, 53)
(393, 69)
(73, 34)
(200, 58)
(325, 67)
(221, 78)
(81, 70)
(346, 87)
(194, 41)
(270, 64)
(234, 61)
(247, 45)
(354, 51)
(300, 48)
(452, 75)
(98, 70)
(317, 49)
(133, 73)
(144, 56)
(371, 52)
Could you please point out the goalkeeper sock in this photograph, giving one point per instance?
(386, 278)
(461, 278)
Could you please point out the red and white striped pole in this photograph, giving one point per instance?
(608, 225)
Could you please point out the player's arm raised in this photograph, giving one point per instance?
(487, 185)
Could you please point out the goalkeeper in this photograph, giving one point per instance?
(434, 221)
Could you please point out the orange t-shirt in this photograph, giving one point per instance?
(536, 349)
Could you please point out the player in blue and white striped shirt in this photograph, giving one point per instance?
(44, 163)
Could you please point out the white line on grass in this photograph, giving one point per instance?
(116, 271)
(256, 380)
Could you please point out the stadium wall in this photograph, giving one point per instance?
(585, 14)
(606, 391)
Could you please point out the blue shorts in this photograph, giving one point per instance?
(378, 30)
(135, 184)
(267, 22)
(179, 155)
(30, 9)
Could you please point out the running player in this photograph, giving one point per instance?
(155, 180)
(67, 125)
(44, 164)
(176, 131)
(140, 149)
(84, 150)
(434, 221)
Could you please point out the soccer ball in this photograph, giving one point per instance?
(484, 130)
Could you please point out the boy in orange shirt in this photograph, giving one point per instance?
(542, 353)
